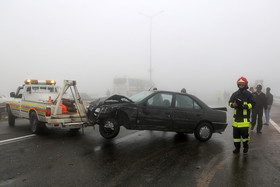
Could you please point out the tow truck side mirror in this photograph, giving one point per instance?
(12, 94)
(28, 89)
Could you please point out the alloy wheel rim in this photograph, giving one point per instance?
(204, 132)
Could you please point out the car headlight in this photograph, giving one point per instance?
(97, 110)
(104, 110)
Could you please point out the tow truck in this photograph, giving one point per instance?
(45, 105)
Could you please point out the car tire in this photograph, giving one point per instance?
(11, 117)
(37, 127)
(109, 128)
(203, 132)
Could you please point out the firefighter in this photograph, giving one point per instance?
(242, 101)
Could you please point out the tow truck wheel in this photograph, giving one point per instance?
(203, 132)
(37, 127)
(11, 118)
(109, 128)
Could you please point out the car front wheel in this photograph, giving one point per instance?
(109, 128)
(203, 132)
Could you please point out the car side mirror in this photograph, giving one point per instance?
(12, 94)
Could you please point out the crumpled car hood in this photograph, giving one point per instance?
(114, 99)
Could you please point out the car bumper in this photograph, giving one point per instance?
(219, 127)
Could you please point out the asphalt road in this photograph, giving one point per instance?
(136, 158)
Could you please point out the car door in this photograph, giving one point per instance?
(155, 113)
(187, 113)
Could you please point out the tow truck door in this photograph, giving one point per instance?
(19, 97)
(15, 104)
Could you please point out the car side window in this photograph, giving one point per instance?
(160, 99)
(184, 101)
(196, 106)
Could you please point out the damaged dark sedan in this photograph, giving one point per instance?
(157, 110)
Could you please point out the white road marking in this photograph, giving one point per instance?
(12, 140)
(275, 125)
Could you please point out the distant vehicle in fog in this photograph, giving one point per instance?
(3, 99)
(157, 110)
(130, 86)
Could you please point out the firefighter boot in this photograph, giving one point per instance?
(245, 150)
(236, 150)
(237, 147)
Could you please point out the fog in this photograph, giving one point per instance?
(204, 46)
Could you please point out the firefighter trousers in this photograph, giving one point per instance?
(241, 134)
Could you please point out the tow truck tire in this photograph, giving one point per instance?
(203, 131)
(109, 128)
(37, 127)
(11, 118)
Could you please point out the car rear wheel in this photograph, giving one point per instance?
(203, 132)
(109, 128)
(11, 117)
(37, 127)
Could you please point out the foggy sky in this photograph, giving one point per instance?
(197, 44)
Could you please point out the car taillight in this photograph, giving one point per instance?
(48, 112)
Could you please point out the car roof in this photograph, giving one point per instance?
(166, 91)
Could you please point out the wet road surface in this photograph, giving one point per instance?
(137, 158)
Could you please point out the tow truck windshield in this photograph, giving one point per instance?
(44, 89)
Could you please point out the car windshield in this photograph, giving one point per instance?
(140, 96)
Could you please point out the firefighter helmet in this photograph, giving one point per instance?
(242, 80)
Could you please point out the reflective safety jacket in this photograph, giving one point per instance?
(245, 102)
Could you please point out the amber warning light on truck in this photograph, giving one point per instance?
(35, 81)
